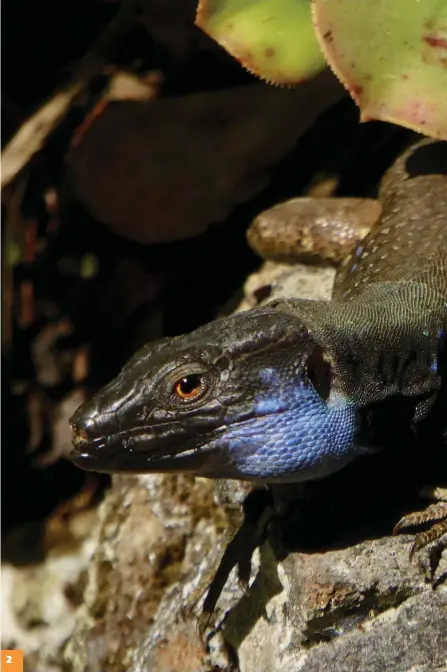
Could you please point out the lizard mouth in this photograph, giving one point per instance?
(137, 453)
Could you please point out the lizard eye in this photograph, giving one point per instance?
(190, 387)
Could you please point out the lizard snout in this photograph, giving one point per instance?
(90, 425)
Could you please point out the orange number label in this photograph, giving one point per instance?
(12, 660)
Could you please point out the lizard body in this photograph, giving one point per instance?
(294, 390)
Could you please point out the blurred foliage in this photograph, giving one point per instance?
(390, 56)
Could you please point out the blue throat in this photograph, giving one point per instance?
(294, 435)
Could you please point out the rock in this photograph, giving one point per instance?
(153, 531)
(364, 608)
(40, 596)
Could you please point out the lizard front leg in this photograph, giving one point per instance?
(248, 512)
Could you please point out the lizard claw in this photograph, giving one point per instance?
(435, 512)
(244, 571)
(203, 623)
(424, 538)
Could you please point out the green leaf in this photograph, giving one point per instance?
(391, 56)
(273, 39)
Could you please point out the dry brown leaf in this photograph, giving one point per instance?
(165, 170)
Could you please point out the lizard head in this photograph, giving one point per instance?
(247, 397)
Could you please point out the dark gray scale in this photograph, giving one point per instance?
(410, 241)
(406, 255)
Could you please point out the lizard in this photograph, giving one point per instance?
(295, 389)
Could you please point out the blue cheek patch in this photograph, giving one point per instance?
(268, 376)
(273, 404)
(294, 435)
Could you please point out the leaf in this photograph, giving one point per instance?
(391, 56)
(273, 39)
(163, 170)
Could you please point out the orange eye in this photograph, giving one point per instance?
(189, 387)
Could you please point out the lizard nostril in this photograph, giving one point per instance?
(91, 423)
(84, 423)
(78, 436)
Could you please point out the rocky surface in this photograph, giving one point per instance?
(153, 531)
(363, 608)
(41, 593)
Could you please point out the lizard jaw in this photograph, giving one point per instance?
(135, 453)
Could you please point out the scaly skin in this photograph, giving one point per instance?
(296, 389)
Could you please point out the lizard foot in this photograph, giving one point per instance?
(237, 553)
(435, 512)
(246, 531)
